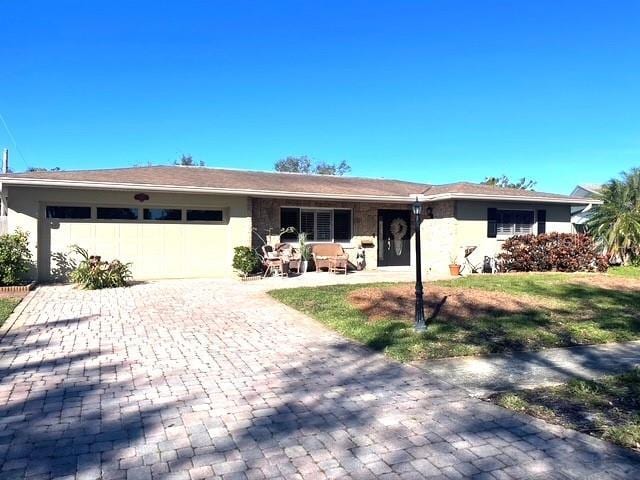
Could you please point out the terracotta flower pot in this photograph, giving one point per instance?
(454, 270)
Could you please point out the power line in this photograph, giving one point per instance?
(13, 139)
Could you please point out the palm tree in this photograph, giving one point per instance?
(616, 223)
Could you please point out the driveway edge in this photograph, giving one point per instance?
(17, 312)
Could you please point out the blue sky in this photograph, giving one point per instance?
(431, 91)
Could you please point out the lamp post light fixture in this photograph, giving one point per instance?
(420, 322)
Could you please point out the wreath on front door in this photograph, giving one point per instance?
(398, 230)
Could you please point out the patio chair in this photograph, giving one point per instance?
(272, 262)
(290, 257)
(324, 253)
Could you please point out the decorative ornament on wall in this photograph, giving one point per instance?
(429, 213)
(398, 230)
(141, 197)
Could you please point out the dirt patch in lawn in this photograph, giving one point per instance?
(610, 282)
(448, 304)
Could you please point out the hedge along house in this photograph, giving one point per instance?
(180, 222)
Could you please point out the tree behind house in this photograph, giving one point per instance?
(294, 165)
(42, 169)
(324, 168)
(504, 182)
(304, 164)
(188, 161)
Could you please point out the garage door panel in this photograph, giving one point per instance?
(151, 259)
(212, 255)
(128, 244)
(156, 250)
(64, 235)
(106, 241)
(174, 248)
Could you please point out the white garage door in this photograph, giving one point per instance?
(160, 242)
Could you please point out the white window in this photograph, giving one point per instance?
(514, 222)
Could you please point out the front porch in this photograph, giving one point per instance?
(318, 279)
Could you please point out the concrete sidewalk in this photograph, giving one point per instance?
(482, 376)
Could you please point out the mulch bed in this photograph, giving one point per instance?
(610, 282)
(451, 304)
(460, 304)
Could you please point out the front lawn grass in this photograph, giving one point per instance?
(7, 305)
(564, 310)
(628, 272)
(608, 407)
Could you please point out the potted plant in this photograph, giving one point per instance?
(454, 266)
(305, 252)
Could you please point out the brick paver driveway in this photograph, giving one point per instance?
(197, 379)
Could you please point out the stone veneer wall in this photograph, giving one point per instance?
(266, 215)
(454, 226)
(438, 234)
(439, 237)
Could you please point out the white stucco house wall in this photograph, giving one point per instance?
(580, 214)
(183, 222)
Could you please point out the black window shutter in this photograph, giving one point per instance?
(342, 225)
(492, 222)
(542, 221)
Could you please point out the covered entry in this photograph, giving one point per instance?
(159, 241)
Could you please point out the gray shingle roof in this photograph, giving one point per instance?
(269, 182)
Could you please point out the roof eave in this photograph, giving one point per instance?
(77, 184)
(32, 182)
(511, 198)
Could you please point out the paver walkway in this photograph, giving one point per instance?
(482, 376)
(205, 379)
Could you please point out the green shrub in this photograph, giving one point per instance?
(246, 260)
(15, 257)
(93, 273)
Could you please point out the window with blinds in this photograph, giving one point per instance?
(514, 222)
(320, 225)
(308, 223)
(323, 226)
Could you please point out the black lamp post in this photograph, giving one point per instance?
(421, 324)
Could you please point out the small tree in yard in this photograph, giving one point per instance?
(616, 223)
(15, 257)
